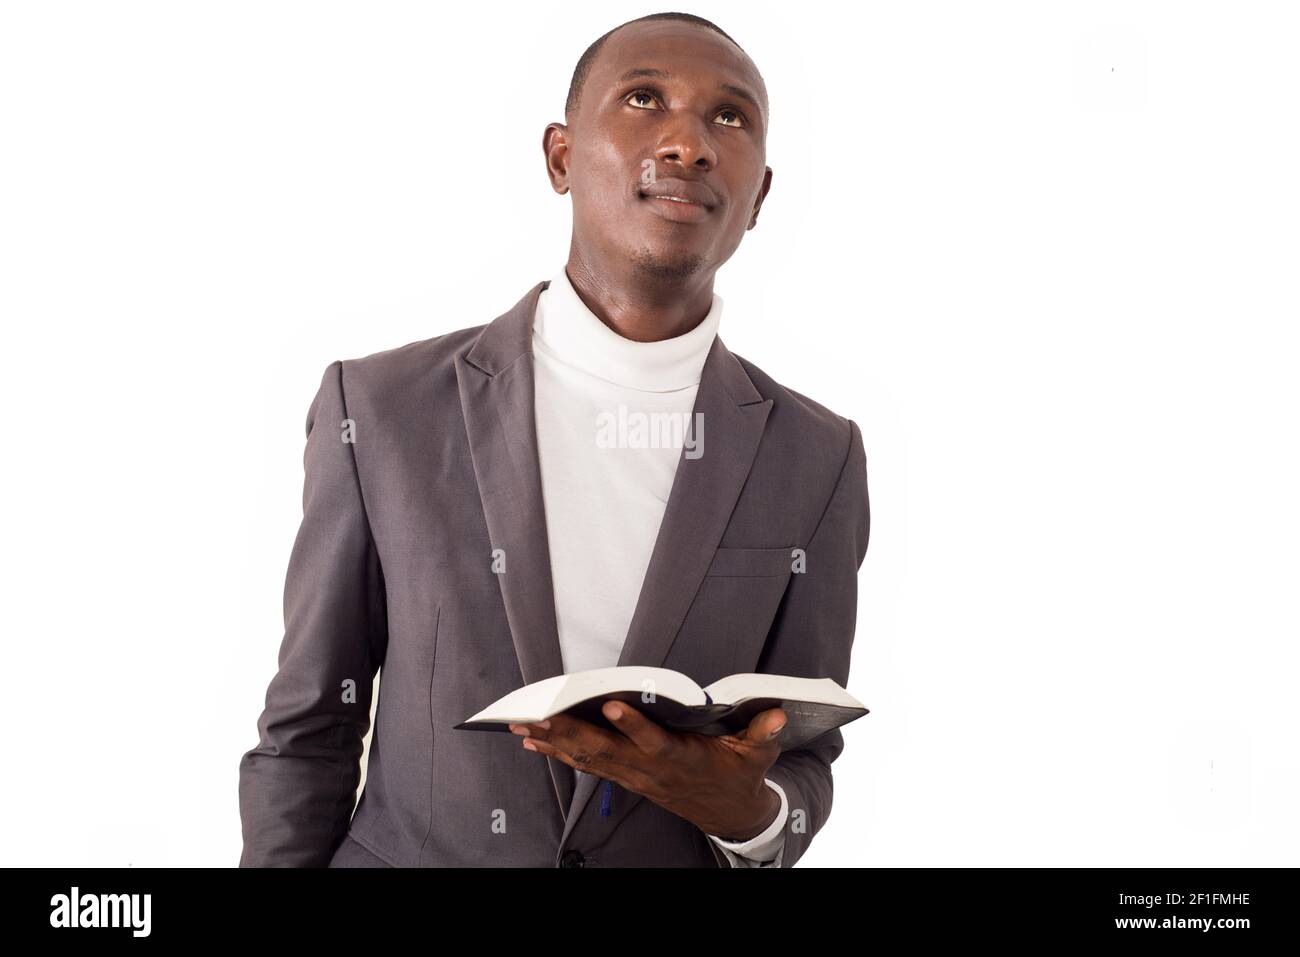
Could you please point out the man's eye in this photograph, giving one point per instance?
(737, 119)
(640, 94)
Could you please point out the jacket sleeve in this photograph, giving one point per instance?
(297, 787)
(812, 636)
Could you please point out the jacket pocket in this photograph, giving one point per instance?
(352, 853)
(752, 562)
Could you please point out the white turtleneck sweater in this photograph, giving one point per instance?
(604, 490)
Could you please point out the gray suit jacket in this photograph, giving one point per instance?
(392, 570)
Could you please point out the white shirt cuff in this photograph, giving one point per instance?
(762, 849)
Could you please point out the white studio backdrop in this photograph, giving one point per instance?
(1043, 253)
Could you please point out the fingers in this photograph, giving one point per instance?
(644, 733)
(577, 762)
(579, 744)
(765, 727)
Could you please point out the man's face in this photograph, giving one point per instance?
(669, 109)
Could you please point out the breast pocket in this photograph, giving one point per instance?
(727, 624)
(753, 562)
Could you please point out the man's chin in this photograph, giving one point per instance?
(667, 267)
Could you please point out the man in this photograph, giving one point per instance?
(479, 515)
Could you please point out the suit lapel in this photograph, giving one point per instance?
(495, 379)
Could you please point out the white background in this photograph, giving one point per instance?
(1043, 253)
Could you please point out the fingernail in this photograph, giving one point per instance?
(776, 731)
(530, 746)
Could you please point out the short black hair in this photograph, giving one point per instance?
(584, 62)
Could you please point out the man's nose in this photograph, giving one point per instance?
(687, 142)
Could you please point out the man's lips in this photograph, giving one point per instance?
(680, 191)
(678, 200)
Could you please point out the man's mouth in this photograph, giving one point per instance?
(679, 200)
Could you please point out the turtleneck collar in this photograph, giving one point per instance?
(571, 333)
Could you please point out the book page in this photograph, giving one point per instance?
(734, 689)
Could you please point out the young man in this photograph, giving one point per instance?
(483, 510)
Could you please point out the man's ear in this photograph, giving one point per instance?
(762, 195)
(556, 147)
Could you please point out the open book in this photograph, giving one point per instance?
(813, 706)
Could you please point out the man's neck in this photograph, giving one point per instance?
(645, 308)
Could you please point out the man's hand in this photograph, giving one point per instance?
(716, 783)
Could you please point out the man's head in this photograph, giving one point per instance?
(663, 106)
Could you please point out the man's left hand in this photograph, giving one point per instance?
(715, 782)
